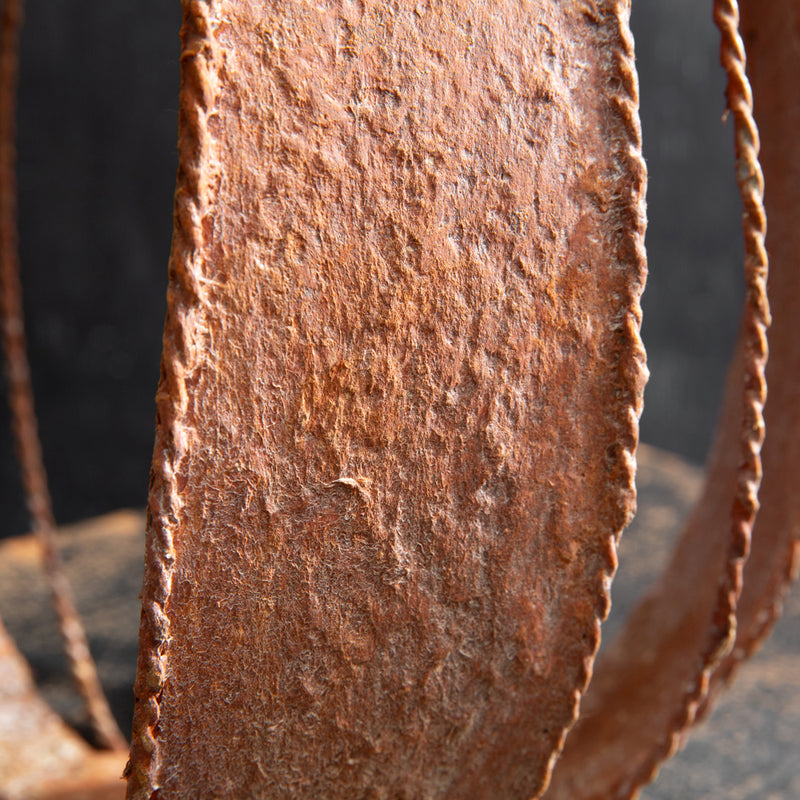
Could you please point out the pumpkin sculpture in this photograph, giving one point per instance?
(398, 411)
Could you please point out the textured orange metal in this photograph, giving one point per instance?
(772, 36)
(399, 406)
(400, 390)
(693, 627)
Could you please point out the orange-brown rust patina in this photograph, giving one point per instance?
(399, 399)
(398, 412)
(677, 650)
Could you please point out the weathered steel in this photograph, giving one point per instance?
(655, 679)
(20, 394)
(772, 35)
(400, 390)
(398, 411)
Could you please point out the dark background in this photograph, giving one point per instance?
(97, 160)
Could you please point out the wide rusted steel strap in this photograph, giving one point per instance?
(398, 411)
(398, 405)
(399, 401)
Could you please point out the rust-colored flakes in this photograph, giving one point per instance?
(401, 383)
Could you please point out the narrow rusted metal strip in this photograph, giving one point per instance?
(399, 400)
(756, 314)
(40, 757)
(20, 393)
(194, 199)
(772, 35)
(651, 682)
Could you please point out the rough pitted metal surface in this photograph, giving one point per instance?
(399, 397)
(746, 749)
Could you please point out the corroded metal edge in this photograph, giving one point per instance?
(623, 98)
(616, 769)
(201, 58)
(632, 223)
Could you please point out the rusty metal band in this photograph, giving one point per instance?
(603, 759)
(771, 37)
(198, 171)
(756, 317)
(20, 390)
(160, 686)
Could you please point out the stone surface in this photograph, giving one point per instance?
(103, 562)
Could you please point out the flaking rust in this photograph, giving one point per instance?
(408, 256)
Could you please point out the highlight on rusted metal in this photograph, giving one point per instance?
(20, 391)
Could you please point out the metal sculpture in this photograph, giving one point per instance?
(399, 408)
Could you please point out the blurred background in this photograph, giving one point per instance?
(97, 160)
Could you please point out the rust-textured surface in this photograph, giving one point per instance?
(772, 35)
(679, 644)
(746, 749)
(399, 397)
